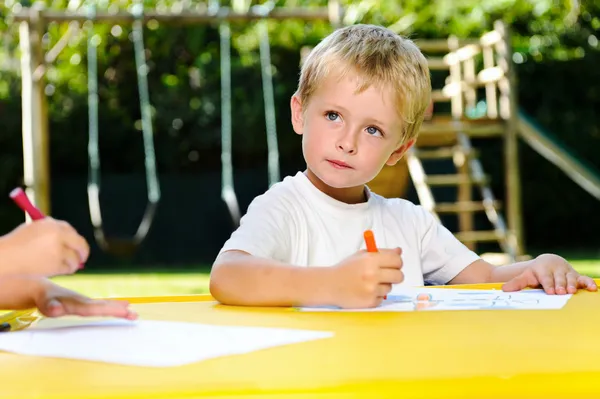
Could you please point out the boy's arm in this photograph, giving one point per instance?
(361, 280)
(483, 272)
(553, 273)
(238, 278)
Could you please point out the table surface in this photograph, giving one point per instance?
(466, 354)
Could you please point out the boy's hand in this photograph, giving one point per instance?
(45, 247)
(24, 292)
(364, 279)
(554, 274)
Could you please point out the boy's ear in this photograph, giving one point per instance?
(297, 115)
(399, 152)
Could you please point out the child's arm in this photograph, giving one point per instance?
(45, 247)
(361, 280)
(553, 273)
(24, 292)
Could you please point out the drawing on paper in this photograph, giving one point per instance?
(431, 299)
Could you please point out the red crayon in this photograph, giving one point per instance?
(20, 198)
(23, 202)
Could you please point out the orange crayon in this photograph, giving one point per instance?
(370, 242)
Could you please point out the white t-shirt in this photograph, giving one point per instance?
(296, 223)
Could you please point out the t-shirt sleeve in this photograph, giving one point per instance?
(263, 231)
(443, 256)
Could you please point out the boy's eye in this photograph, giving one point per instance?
(332, 116)
(373, 131)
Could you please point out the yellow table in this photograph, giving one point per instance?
(469, 354)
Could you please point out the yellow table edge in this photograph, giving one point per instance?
(21, 319)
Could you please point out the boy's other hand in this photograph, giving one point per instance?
(554, 274)
(45, 247)
(365, 278)
(24, 292)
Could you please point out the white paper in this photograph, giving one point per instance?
(436, 299)
(148, 343)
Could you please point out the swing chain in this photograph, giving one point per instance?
(153, 188)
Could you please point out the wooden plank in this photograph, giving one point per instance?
(471, 129)
(453, 180)
(478, 236)
(445, 153)
(508, 111)
(440, 45)
(437, 64)
(454, 207)
(181, 18)
(466, 222)
(36, 154)
(438, 96)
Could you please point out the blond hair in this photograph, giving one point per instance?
(381, 58)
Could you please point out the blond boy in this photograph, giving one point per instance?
(360, 103)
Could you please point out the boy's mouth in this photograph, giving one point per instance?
(339, 164)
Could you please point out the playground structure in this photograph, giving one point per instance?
(473, 66)
(33, 22)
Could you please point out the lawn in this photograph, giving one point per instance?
(136, 284)
(185, 283)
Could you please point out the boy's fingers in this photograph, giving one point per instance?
(560, 283)
(522, 281)
(72, 260)
(98, 308)
(389, 258)
(516, 284)
(571, 283)
(52, 308)
(73, 240)
(547, 282)
(587, 282)
(383, 289)
(392, 276)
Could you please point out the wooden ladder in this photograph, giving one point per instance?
(468, 174)
(473, 68)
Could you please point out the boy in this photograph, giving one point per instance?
(361, 99)
(43, 248)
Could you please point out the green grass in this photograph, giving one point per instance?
(105, 285)
(589, 267)
(136, 284)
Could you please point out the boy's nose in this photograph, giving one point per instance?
(347, 143)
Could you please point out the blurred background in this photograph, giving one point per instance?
(554, 52)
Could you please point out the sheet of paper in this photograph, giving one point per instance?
(146, 342)
(435, 299)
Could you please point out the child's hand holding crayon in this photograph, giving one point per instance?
(364, 279)
(45, 247)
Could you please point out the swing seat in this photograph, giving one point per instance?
(121, 246)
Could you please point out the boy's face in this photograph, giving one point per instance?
(347, 136)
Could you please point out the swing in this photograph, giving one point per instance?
(268, 93)
(227, 187)
(120, 246)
